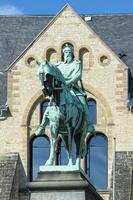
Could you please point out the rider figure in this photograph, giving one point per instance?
(72, 71)
(67, 73)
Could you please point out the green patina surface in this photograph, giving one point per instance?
(67, 112)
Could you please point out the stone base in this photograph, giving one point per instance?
(59, 168)
(62, 195)
(62, 186)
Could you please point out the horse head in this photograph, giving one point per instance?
(50, 76)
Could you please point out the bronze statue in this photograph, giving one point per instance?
(67, 112)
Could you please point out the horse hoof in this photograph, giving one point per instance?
(78, 162)
(38, 132)
(49, 163)
(70, 163)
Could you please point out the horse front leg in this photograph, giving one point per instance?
(52, 156)
(53, 144)
(44, 123)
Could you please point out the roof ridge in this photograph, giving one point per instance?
(82, 14)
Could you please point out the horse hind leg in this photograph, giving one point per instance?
(52, 156)
(77, 139)
(65, 140)
(80, 146)
(53, 143)
(71, 145)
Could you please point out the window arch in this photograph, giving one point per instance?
(84, 55)
(51, 55)
(92, 106)
(97, 160)
(40, 148)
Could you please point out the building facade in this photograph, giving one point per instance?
(105, 79)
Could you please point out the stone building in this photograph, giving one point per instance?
(104, 46)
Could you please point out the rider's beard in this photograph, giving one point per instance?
(68, 59)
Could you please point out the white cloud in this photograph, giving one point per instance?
(10, 10)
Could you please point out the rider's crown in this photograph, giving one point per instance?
(68, 47)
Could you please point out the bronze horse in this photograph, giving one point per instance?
(64, 115)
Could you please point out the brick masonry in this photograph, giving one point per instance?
(106, 82)
(12, 177)
(123, 176)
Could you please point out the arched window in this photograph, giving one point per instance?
(43, 108)
(62, 154)
(92, 106)
(39, 154)
(97, 160)
(51, 55)
(84, 57)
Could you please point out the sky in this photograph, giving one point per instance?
(52, 7)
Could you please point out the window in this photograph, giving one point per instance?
(92, 111)
(39, 154)
(97, 161)
(39, 147)
(84, 55)
(51, 55)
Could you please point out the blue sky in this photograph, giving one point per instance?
(45, 7)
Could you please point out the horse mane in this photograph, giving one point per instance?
(49, 68)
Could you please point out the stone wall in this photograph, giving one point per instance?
(12, 178)
(104, 78)
(123, 175)
(7, 171)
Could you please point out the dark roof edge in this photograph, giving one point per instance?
(11, 16)
(87, 14)
(106, 14)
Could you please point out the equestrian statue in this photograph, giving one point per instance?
(67, 112)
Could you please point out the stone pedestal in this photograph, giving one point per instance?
(59, 185)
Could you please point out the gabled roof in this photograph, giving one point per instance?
(117, 32)
(17, 32)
